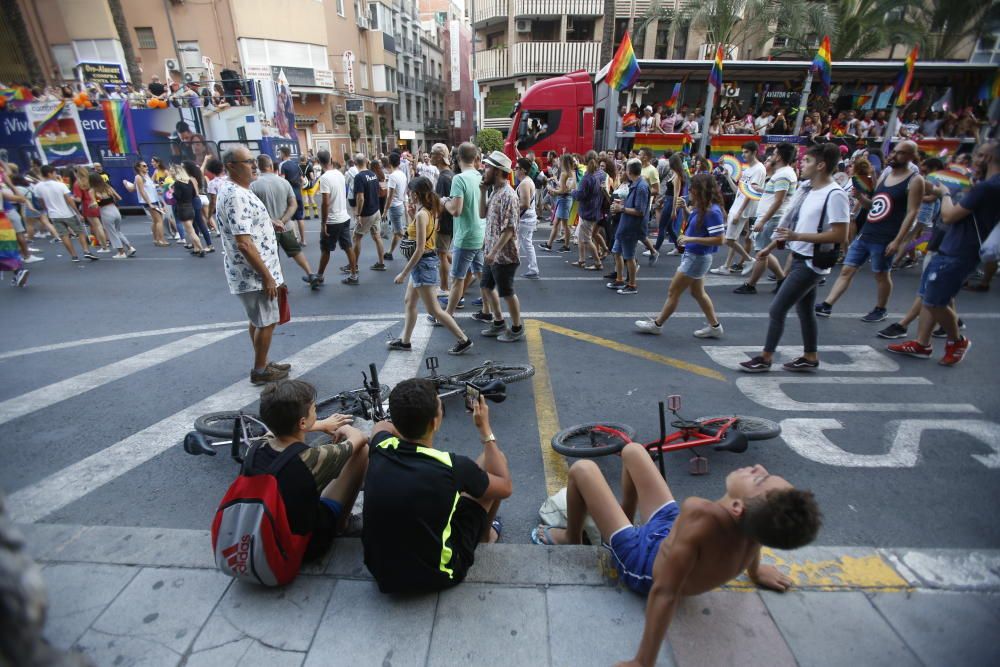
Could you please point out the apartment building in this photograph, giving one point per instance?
(455, 39)
(434, 62)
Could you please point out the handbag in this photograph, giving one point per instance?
(825, 256)
(989, 249)
(284, 311)
(407, 247)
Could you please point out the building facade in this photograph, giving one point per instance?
(456, 44)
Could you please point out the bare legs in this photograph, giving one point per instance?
(261, 341)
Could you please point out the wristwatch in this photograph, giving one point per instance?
(488, 439)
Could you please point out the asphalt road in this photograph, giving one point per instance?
(91, 428)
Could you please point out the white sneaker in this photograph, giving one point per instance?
(103, 251)
(119, 257)
(748, 267)
(649, 326)
(33, 249)
(674, 252)
(33, 259)
(710, 331)
(720, 271)
(646, 253)
(176, 237)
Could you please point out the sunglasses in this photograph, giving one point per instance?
(250, 161)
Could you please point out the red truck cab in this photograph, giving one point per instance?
(555, 114)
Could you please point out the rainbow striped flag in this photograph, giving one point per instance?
(16, 94)
(865, 99)
(10, 254)
(823, 65)
(119, 123)
(730, 144)
(990, 90)
(938, 146)
(624, 70)
(574, 211)
(905, 77)
(50, 118)
(674, 96)
(664, 143)
(715, 76)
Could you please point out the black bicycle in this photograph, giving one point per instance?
(370, 402)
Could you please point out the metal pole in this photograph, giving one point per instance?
(173, 39)
(803, 103)
(887, 135)
(709, 103)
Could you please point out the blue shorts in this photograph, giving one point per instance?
(860, 250)
(299, 210)
(396, 218)
(564, 204)
(425, 273)
(336, 509)
(625, 246)
(942, 280)
(695, 266)
(465, 261)
(634, 548)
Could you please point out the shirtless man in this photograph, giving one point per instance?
(688, 549)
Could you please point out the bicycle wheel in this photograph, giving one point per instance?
(592, 439)
(754, 428)
(220, 425)
(347, 403)
(490, 371)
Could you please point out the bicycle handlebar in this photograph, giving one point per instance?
(374, 372)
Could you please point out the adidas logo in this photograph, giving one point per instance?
(238, 554)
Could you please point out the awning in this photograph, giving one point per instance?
(312, 90)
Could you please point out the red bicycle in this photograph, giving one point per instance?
(722, 433)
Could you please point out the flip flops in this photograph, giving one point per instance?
(542, 535)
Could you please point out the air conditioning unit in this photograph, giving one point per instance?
(522, 25)
(189, 77)
(172, 65)
(191, 58)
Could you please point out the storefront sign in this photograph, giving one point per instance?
(259, 72)
(324, 78)
(407, 134)
(102, 73)
(349, 71)
(296, 76)
(456, 63)
(340, 119)
(354, 106)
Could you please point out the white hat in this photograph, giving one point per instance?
(499, 161)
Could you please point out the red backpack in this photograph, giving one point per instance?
(251, 537)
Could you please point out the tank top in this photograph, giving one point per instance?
(183, 194)
(646, 124)
(529, 214)
(887, 212)
(430, 241)
(150, 187)
(105, 201)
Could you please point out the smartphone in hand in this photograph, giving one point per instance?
(471, 396)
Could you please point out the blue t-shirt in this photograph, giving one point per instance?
(960, 239)
(293, 174)
(714, 224)
(366, 183)
(638, 199)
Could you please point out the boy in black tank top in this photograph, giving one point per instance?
(895, 204)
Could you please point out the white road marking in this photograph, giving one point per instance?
(405, 365)
(358, 317)
(806, 438)
(64, 487)
(60, 391)
(713, 282)
(766, 391)
(860, 358)
(947, 568)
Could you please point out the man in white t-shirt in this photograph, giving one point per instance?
(352, 171)
(763, 122)
(744, 208)
(336, 227)
(61, 209)
(817, 218)
(395, 204)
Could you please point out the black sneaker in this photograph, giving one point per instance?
(545, 246)
(92, 258)
(461, 303)
(378, 267)
(314, 281)
(940, 333)
(461, 347)
(801, 365)
(777, 286)
(756, 365)
(613, 276)
(877, 315)
(824, 309)
(822, 281)
(628, 290)
(398, 344)
(772, 278)
(615, 285)
(387, 256)
(745, 288)
(894, 330)
(480, 316)
(350, 280)
(565, 248)
(74, 258)
(345, 269)
(495, 329)
(20, 278)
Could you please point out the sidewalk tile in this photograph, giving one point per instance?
(950, 568)
(283, 619)
(509, 564)
(479, 624)
(727, 628)
(836, 629)
(362, 626)
(152, 547)
(45, 540)
(945, 628)
(591, 625)
(245, 652)
(78, 593)
(347, 559)
(577, 565)
(156, 616)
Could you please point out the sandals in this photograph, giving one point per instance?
(594, 267)
(542, 535)
(497, 525)
(577, 264)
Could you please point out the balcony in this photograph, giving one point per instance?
(555, 57)
(491, 11)
(559, 7)
(492, 64)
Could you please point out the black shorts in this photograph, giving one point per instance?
(336, 234)
(499, 277)
(299, 211)
(468, 524)
(288, 242)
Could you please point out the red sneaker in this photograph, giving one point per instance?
(954, 351)
(912, 348)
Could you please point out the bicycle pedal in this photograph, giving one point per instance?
(432, 365)
(698, 465)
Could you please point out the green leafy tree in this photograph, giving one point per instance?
(953, 22)
(489, 140)
(729, 22)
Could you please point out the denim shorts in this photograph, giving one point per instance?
(942, 280)
(465, 261)
(860, 250)
(426, 271)
(625, 246)
(564, 205)
(396, 219)
(634, 548)
(765, 234)
(695, 266)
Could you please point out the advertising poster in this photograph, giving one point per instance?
(57, 134)
(279, 113)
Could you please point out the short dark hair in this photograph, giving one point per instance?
(264, 162)
(525, 164)
(786, 152)
(394, 159)
(285, 150)
(634, 167)
(214, 166)
(413, 404)
(324, 157)
(646, 151)
(48, 170)
(782, 519)
(751, 146)
(284, 403)
(467, 153)
(828, 154)
(934, 164)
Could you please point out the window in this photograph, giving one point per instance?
(579, 30)
(661, 49)
(145, 38)
(340, 7)
(363, 74)
(65, 59)
(545, 31)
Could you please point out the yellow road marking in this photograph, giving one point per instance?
(868, 572)
(545, 410)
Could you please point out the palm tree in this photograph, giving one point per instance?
(121, 27)
(608, 33)
(728, 22)
(952, 22)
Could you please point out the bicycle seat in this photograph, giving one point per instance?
(685, 423)
(196, 443)
(494, 391)
(735, 441)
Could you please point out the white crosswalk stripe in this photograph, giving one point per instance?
(64, 487)
(49, 395)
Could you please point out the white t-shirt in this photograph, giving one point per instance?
(332, 183)
(428, 171)
(761, 124)
(838, 211)
(783, 180)
(397, 183)
(754, 176)
(240, 212)
(53, 195)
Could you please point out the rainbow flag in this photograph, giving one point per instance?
(10, 254)
(119, 124)
(865, 99)
(624, 70)
(823, 65)
(938, 146)
(953, 179)
(715, 76)
(574, 211)
(664, 143)
(730, 144)
(905, 77)
(48, 120)
(990, 90)
(16, 94)
(674, 96)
